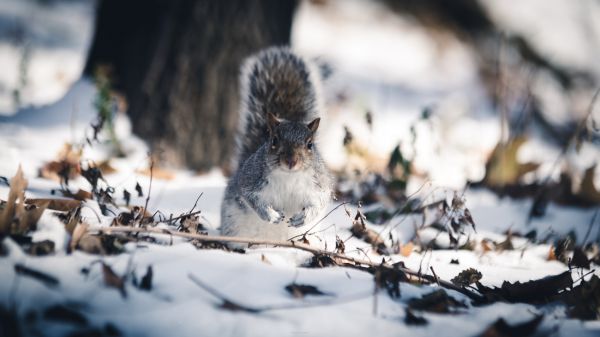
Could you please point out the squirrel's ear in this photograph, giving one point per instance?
(314, 125)
(272, 121)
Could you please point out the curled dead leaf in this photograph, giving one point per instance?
(111, 279)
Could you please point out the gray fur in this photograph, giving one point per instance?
(280, 174)
(274, 81)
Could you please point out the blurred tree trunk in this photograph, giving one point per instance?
(177, 63)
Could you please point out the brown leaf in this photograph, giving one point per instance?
(62, 205)
(31, 215)
(12, 208)
(503, 167)
(65, 168)
(583, 301)
(412, 319)
(190, 224)
(501, 328)
(486, 245)
(360, 231)
(340, 246)
(551, 255)
(437, 301)
(71, 219)
(506, 244)
(106, 167)
(321, 261)
(301, 290)
(579, 259)
(84, 241)
(111, 279)
(41, 248)
(407, 249)
(389, 279)
(80, 195)
(146, 283)
(588, 190)
(158, 173)
(138, 189)
(467, 277)
(533, 291)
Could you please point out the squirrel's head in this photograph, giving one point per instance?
(291, 145)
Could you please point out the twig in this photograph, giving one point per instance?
(196, 203)
(232, 305)
(572, 140)
(170, 220)
(288, 244)
(227, 303)
(149, 190)
(584, 275)
(318, 222)
(437, 279)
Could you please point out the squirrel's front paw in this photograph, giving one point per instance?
(298, 219)
(274, 216)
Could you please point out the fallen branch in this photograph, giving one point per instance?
(297, 245)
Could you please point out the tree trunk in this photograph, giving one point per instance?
(177, 63)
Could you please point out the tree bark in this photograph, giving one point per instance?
(177, 63)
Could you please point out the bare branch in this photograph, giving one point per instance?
(297, 245)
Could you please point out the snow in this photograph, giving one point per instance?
(46, 46)
(396, 85)
(257, 278)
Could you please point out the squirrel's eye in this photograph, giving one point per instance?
(309, 145)
(274, 143)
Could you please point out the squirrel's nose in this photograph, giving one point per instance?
(291, 162)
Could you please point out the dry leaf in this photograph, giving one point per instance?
(111, 279)
(80, 195)
(588, 191)
(301, 290)
(15, 216)
(84, 241)
(406, 250)
(467, 277)
(360, 231)
(66, 167)
(486, 245)
(29, 218)
(503, 167)
(340, 246)
(146, 283)
(41, 248)
(62, 205)
(501, 328)
(157, 173)
(12, 209)
(551, 255)
(437, 301)
(71, 219)
(105, 167)
(412, 319)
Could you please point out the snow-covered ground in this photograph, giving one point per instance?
(257, 278)
(452, 149)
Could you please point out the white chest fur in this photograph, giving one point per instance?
(289, 191)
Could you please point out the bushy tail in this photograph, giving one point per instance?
(280, 82)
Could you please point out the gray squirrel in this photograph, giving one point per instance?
(281, 182)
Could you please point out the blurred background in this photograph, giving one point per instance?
(478, 92)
